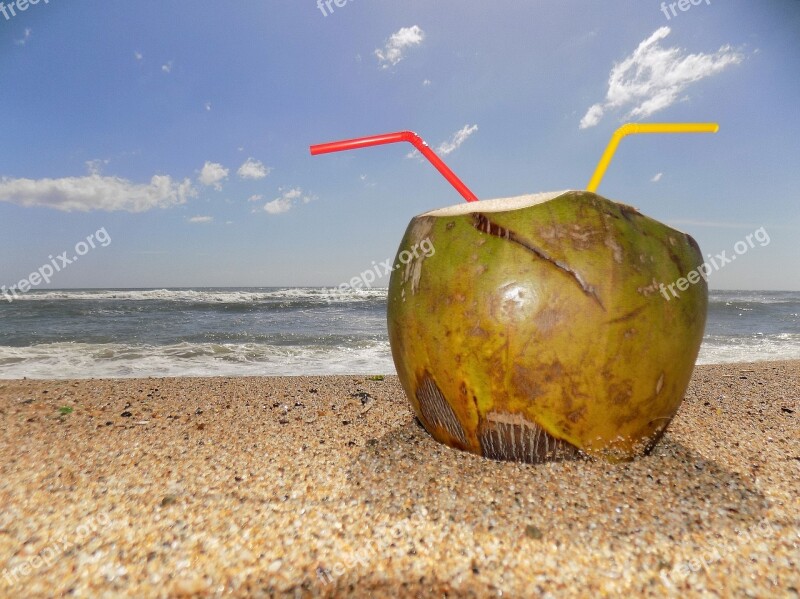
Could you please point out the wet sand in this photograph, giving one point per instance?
(326, 486)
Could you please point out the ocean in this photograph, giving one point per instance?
(286, 331)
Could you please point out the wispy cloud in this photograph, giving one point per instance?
(95, 166)
(94, 192)
(201, 219)
(255, 198)
(26, 35)
(138, 55)
(452, 144)
(365, 180)
(592, 116)
(287, 200)
(654, 77)
(253, 169)
(458, 138)
(656, 178)
(167, 68)
(397, 44)
(212, 173)
(208, 106)
(721, 225)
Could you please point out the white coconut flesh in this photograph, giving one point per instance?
(497, 204)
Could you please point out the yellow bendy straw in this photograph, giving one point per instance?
(633, 128)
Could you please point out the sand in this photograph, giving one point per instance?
(326, 486)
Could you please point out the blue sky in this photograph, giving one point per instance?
(182, 128)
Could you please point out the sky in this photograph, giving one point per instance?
(177, 133)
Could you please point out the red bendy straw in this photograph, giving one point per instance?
(390, 138)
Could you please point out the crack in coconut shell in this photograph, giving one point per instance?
(514, 438)
(625, 317)
(482, 223)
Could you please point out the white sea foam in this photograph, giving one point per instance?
(784, 346)
(81, 360)
(211, 296)
(739, 299)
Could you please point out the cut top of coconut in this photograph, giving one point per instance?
(497, 204)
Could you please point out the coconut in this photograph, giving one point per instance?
(540, 327)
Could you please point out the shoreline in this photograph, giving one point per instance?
(212, 377)
(326, 486)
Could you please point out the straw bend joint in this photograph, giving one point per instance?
(388, 138)
(634, 128)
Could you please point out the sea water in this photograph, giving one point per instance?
(286, 331)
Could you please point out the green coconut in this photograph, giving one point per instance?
(542, 327)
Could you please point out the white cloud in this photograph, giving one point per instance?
(404, 38)
(138, 55)
(366, 181)
(287, 200)
(592, 116)
(657, 178)
(449, 146)
(426, 82)
(94, 192)
(167, 68)
(255, 198)
(458, 138)
(208, 106)
(653, 77)
(201, 219)
(253, 169)
(26, 35)
(95, 166)
(278, 206)
(212, 174)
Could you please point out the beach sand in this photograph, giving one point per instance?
(327, 486)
